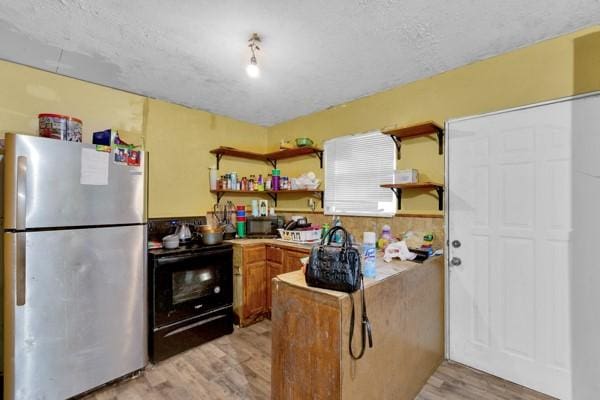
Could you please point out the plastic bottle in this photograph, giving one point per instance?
(337, 236)
(369, 252)
(386, 237)
(324, 230)
(213, 178)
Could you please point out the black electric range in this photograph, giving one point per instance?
(190, 292)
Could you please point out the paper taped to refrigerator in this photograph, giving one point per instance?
(94, 167)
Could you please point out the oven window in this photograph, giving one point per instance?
(192, 284)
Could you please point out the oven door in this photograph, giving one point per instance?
(191, 284)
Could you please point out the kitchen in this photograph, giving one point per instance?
(157, 109)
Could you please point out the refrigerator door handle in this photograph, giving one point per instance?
(21, 271)
(21, 192)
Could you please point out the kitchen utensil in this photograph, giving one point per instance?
(184, 233)
(210, 238)
(303, 142)
(290, 225)
(171, 241)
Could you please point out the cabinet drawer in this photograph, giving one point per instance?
(292, 260)
(275, 254)
(254, 254)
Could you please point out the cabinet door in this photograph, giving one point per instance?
(254, 288)
(273, 269)
(292, 260)
(254, 254)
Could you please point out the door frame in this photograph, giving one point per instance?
(447, 332)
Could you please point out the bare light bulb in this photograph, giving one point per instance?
(252, 69)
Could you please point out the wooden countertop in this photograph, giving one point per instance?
(384, 271)
(273, 242)
(310, 327)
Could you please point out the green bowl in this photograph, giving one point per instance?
(303, 142)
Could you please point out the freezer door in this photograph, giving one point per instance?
(83, 318)
(47, 185)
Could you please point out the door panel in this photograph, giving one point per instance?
(84, 320)
(509, 205)
(255, 276)
(54, 195)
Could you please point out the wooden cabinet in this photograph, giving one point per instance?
(255, 266)
(273, 269)
(249, 290)
(280, 261)
(291, 260)
(274, 254)
(255, 276)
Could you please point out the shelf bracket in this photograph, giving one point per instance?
(220, 196)
(398, 193)
(440, 137)
(218, 156)
(440, 193)
(322, 199)
(274, 197)
(273, 163)
(320, 155)
(398, 143)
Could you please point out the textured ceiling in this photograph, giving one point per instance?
(315, 53)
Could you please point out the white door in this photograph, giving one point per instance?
(509, 206)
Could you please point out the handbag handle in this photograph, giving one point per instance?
(327, 239)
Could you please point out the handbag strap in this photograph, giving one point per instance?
(365, 324)
(329, 236)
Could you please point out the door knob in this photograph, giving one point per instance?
(456, 243)
(455, 261)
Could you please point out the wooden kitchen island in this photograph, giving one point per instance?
(310, 358)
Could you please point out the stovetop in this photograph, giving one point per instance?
(194, 246)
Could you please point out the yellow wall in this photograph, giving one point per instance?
(178, 138)
(539, 72)
(587, 63)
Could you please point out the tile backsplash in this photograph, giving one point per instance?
(399, 224)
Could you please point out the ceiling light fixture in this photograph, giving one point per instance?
(252, 69)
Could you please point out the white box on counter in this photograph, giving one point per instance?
(406, 176)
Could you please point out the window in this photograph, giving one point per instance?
(355, 166)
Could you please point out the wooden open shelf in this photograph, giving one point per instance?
(273, 194)
(423, 129)
(398, 187)
(271, 157)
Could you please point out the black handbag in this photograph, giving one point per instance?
(339, 268)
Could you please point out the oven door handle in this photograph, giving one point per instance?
(175, 259)
(172, 260)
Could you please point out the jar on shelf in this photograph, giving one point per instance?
(268, 182)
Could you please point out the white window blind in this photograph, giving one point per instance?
(355, 166)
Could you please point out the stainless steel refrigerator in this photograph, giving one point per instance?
(74, 267)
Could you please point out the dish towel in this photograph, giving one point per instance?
(398, 250)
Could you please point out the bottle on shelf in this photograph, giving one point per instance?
(212, 174)
(275, 182)
(268, 182)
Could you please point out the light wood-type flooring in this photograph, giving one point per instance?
(238, 366)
